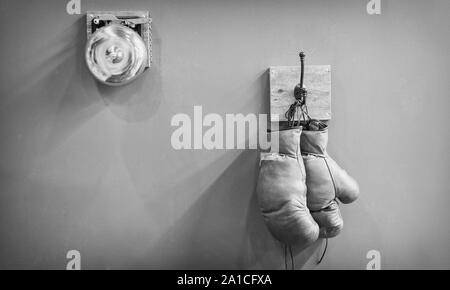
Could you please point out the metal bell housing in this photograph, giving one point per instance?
(116, 54)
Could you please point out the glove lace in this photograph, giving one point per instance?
(285, 257)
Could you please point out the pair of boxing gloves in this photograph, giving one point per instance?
(299, 186)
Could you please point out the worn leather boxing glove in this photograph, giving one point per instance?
(281, 193)
(326, 183)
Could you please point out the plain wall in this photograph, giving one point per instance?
(91, 168)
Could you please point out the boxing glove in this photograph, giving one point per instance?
(326, 183)
(281, 193)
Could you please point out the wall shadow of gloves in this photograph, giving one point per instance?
(281, 193)
(327, 182)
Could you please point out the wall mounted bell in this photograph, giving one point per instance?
(118, 49)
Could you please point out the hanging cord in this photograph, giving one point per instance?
(299, 110)
(292, 258)
(285, 257)
(335, 198)
(296, 109)
(292, 112)
(324, 251)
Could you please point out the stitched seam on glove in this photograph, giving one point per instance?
(314, 154)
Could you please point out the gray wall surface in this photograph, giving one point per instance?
(91, 168)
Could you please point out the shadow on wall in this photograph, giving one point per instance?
(43, 111)
(55, 99)
(77, 104)
(212, 233)
(140, 99)
(224, 228)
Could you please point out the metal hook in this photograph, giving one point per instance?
(302, 61)
(300, 92)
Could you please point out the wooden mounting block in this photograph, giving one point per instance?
(317, 81)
